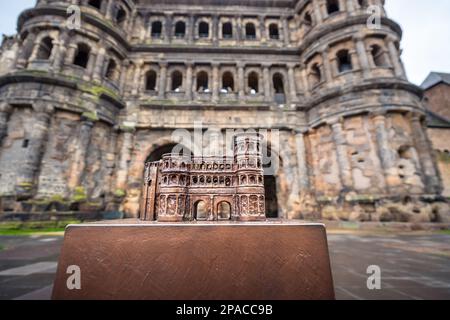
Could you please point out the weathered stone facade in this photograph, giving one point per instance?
(82, 110)
(437, 102)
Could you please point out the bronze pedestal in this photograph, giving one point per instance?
(220, 261)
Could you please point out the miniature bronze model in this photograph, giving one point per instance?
(184, 188)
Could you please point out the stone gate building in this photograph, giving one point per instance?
(82, 110)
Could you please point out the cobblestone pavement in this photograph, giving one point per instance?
(412, 266)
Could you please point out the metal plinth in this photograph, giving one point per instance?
(258, 261)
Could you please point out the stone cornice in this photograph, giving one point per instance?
(372, 84)
(57, 80)
(109, 28)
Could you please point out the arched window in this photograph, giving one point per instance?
(177, 81)
(250, 31)
(121, 16)
(253, 83)
(180, 29)
(315, 75)
(227, 30)
(150, 80)
(278, 83)
(278, 88)
(45, 49)
(344, 61)
(156, 29)
(111, 70)
(200, 211)
(363, 4)
(332, 6)
(378, 56)
(307, 19)
(224, 210)
(82, 55)
(274, 32)
(227, 82)
(95, 3)
(202, 82)
(203, 30)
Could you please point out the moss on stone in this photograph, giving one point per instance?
(90, 115)
(444, 157)
(98, 90)
(126, 128)
(362, 198)
(120, 193)
(79, 195)
(25, 185)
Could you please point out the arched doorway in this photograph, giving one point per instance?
(270, 186)
(224, 211)
(200, 210)
(157, 154)
(271, 165)
(150, 204)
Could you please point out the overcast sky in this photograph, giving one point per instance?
(426, 27)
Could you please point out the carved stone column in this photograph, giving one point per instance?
(124, 157)
(317, 13)
(27, 171)
(191, 29)
(137, 77)
(168, 27)
(123, 75)
(345, 168)
(424, 149)
(241, 80)
(27, 47)
(70, 54)
(350, 6)
(215, 84)
(79, 157)
(60, 52)
(326, 65)
(5, 111)
(385, 152)
(91, 65)
(362, 55)
(395, 57)
(305, 82)
(286, 35)
(215, 29)
(267, 86)
(162, 80)
(99, 65)
(262, 29)
(189, 67)
(303, 174)
(239, 35)
(109, 9)
(292, 85)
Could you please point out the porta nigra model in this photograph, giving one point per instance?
(184, 188)
(84, 107)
